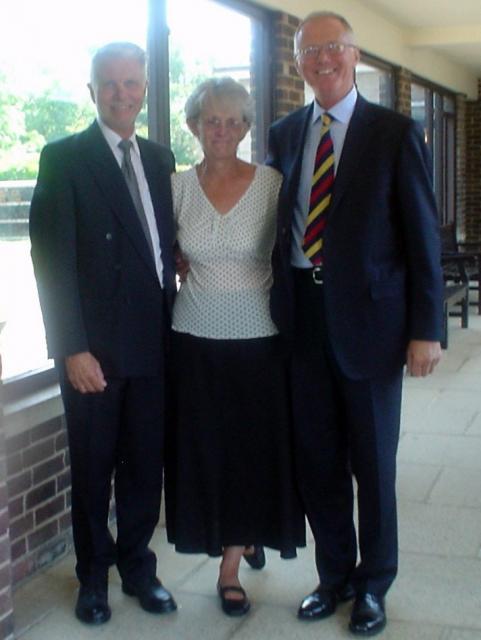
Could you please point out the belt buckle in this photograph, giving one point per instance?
(317, 275)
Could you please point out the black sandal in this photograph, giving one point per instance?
(257, 558)
(233, 607)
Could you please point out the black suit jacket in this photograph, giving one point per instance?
(383, 284)
(96, 278)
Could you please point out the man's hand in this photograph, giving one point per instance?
(85, 373)
(422, 357)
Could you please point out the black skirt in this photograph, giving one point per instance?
(229, 465)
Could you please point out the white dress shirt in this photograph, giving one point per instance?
(113, 140)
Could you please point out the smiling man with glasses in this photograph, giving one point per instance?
(358, 289)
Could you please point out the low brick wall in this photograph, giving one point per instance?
(38, 485)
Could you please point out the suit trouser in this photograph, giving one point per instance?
(117, 431)
(344, 427)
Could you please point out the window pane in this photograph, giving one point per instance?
(418, 104)
(223, 47)
(374, 84)
(41, 100)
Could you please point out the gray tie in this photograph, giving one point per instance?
(132, 184)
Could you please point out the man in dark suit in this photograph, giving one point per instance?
(360, 301)
(102, 236)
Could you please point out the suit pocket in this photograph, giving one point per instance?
(388, 287)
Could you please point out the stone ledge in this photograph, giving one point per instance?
(32, 410)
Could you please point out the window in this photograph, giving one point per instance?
(375, 81)
(47, 99)
(434, 109)
(227, 45)
(42, 101)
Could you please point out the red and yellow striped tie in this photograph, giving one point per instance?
(321, 191)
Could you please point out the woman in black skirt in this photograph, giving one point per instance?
(229, 471)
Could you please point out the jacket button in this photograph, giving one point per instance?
(284, 231)
(108, 236)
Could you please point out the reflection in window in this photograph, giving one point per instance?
(41, 101)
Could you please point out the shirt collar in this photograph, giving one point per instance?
(341, 112)
(113, 138)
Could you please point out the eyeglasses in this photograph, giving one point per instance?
(329, 48)
(216, 123)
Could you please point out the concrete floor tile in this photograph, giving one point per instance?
(461, 634)
(439, 420)
(270, 622)
(456, 451)
(458, 487)
(417, 399)
(438, 530)
(474, 428)
(416, 481)
(436, 590)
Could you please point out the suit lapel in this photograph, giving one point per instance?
(107, 174)
(357, 137)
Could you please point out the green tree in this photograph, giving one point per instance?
(183, 80)
(53, 118)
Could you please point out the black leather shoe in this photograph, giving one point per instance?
(322, 602)
(368, 615)
(231, 607)
(256, 559)
(153, 597)
(92, 606)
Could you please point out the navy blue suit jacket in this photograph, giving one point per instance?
(382, 275)
(96, 278)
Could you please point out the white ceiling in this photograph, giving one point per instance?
(450, 27)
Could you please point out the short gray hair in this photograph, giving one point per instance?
(322, 14)
(225, 87)
(117, 50)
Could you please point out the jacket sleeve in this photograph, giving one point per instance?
(53, 239)
(421, 236)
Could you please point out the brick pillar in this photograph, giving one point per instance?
(288, 87)
(6, 604)
(461, 166)
(402, 90)
(473, 168)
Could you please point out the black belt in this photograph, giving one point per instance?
(314, 275)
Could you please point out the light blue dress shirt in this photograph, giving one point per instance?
(341, 112)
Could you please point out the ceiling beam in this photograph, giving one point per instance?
(440, 36)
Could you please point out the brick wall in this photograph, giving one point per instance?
(461, 166)
(38, 483)
(6, 605)
(402, 91)
(473, 169)
(288, 87)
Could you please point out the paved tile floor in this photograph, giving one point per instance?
(437, 595)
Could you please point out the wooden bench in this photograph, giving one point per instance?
(471, 258)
